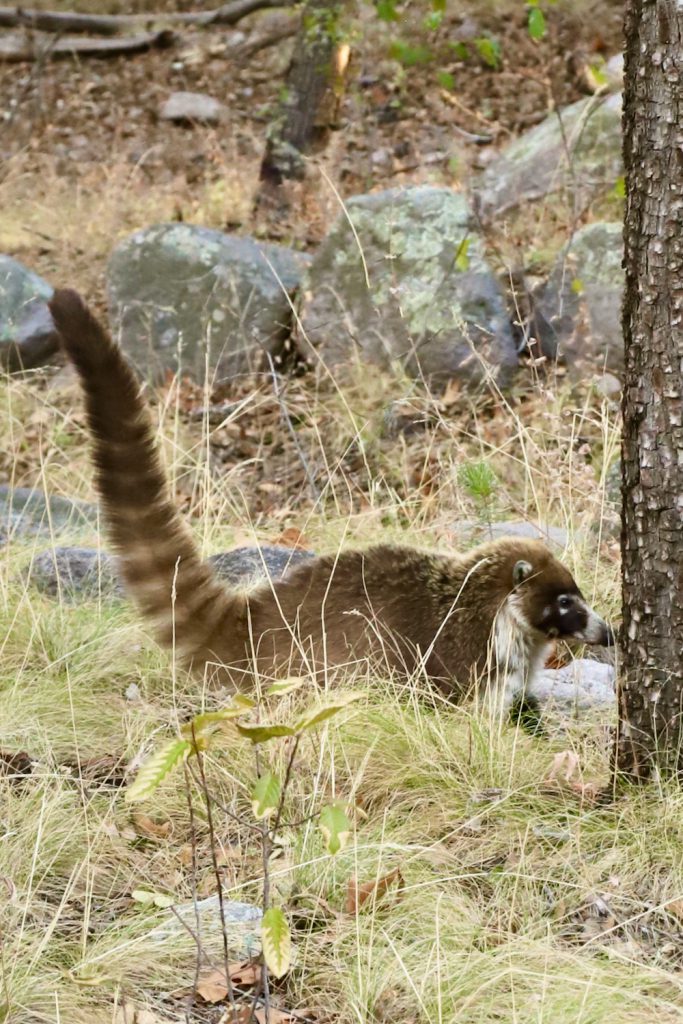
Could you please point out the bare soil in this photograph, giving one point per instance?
(77, 127)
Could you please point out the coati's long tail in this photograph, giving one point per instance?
(161, 564)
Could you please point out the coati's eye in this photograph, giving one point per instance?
(564, 603)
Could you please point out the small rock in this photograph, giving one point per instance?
(536, 164)
(243, 921)
(475, 529)
(133, 693)
(25, 512)
(180, 295)
(246, 566)
(582, 684)
(381, 156)
(74, 573)
(27, 334)
(189, 107)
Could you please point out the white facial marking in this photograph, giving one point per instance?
(516, 654)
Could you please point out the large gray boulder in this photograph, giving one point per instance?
(578, 148)
(578, 312)
(25, 512)
(401, 280)
(27, 334)
(77, 573)
(178, 292)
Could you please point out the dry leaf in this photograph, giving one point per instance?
(561, 777)
(589, 792)
(557, 657)
(291, 537)
(147, 827)
(675, 907)
(107, 770)
(149, 1017)
(185, 855)
(276, 1016)
(357, 895)
(564, 766)
(212, 985)
(125, 1014)
(15, 762)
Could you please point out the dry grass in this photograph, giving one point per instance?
(70, 225)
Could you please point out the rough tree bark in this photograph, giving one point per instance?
(651, 691)
(308, 109)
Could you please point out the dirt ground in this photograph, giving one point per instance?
(78, 133)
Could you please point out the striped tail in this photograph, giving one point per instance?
(161, 565)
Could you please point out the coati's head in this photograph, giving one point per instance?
(544, 594)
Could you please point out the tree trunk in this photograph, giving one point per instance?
(308, 109)
(651, 691)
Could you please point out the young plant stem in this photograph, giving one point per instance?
(217, 875)
(197, 937)
(267, 842)
(266, 848)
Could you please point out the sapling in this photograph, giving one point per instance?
(481, 483)
(244, 718)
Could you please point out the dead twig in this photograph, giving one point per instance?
(111, 24)
(14, 49)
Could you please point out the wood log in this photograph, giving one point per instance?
(112, 24)
(17, 48)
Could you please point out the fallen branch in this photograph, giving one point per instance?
(111, 24)
(17, 48)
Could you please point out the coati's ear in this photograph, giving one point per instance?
(521, 571)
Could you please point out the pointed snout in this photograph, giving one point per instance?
(598, 632)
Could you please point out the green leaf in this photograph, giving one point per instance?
(263, 733)
(409, 55)
(462, 260)
(619, 190)
(276, 942)
(478, 479)
(460, 50)
(203, 726)
(240, 700)
(536, 23)
(386, 10)
(157, 899)
(489, 50)
(577, 286)
(432, 21)
(335, 827)
(156, 769)
(598, 74)
(266, 796)
(445, 80)
(321, 712)
(285, 686)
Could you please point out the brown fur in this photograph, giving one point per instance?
(416, 611)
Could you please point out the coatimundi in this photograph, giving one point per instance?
(487, 614)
